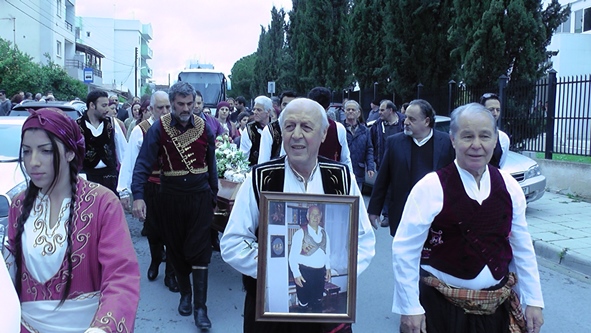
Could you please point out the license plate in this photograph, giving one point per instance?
(525, 190)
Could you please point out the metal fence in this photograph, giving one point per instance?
(552, 116)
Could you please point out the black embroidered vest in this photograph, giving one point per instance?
(255, 138)
(100, 148)
(275, 130)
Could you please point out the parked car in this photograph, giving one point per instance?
(13, 178)
(74, 109)
(525, 170)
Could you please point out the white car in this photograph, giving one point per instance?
(13, 178)
(525, 170)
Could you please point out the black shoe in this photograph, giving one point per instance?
(185, 306)
(153, 271)
(170, 282)
(385, 222)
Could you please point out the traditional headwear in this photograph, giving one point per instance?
(59, 124)
(222, 104)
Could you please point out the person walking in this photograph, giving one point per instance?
(185, 147)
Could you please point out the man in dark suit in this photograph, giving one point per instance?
(408, 157)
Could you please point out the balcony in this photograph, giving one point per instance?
(147, 31)
(146, 51)
(68, 26)
(146, 73)
(75, 69)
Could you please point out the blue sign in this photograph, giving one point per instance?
(88, 75)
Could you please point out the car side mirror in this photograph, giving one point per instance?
(4, 205)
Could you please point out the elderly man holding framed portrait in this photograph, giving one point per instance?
(304, 126)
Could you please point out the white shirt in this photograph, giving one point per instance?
(10, 316)
(120, 140)
(341, 135)
(424, 202)
(136, 139)
(238, 244)
(266, 145)
(246, 142)
(505, 143)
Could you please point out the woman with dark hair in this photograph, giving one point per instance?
(223, 116)
(241, 122)
(138, 112)
(69, 250)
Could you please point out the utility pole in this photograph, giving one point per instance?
(135, 71)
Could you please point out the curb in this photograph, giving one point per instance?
(562, 256)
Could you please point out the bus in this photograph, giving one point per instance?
(211, 84)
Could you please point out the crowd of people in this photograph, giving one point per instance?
(461, 253)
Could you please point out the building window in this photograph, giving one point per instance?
(579, 21)
(587, 19)
(564, 27)
(59, 8)
(59, 48)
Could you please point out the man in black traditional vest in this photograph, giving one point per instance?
(271, 139)
(250, 137)
(409, 156)
(104, 140)
(304, 125)
(461, 229)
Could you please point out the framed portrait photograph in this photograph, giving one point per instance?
(307, 263)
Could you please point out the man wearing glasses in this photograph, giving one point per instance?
(492, 103)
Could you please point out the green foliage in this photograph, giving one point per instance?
(415, 33)
(242, 76)
(19, 72)
(367, 44)
(318, 38)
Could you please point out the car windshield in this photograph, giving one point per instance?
(10, 136)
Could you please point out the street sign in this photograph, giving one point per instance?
(271, 87)
(88, 75)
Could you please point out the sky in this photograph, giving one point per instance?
(219, 32)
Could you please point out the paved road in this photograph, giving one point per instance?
(567, 295)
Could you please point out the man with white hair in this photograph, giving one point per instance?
(159, 106)
(462, 251)
(304, 125)
(250, 137)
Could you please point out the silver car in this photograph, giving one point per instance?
(525, 170)
(13, 178)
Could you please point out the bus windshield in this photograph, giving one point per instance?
(209, 84)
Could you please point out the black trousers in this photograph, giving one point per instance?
(444, 317)
(185, 220)
(104, 176)
(252, 326)
(311, 292)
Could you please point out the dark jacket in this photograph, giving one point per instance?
(395, 173)
(361, 151)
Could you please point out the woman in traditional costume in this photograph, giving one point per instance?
(69, 251)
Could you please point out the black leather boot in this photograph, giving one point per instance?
(185, 308)
(156, 254)
(170, 278)
(200, 297)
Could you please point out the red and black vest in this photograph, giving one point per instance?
(465, 236)
(331, 147)
(180, 155)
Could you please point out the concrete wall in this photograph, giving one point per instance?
(567, 177)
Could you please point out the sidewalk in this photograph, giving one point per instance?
(560, 227)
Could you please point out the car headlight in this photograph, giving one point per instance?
(534, 171)
(16, 190)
